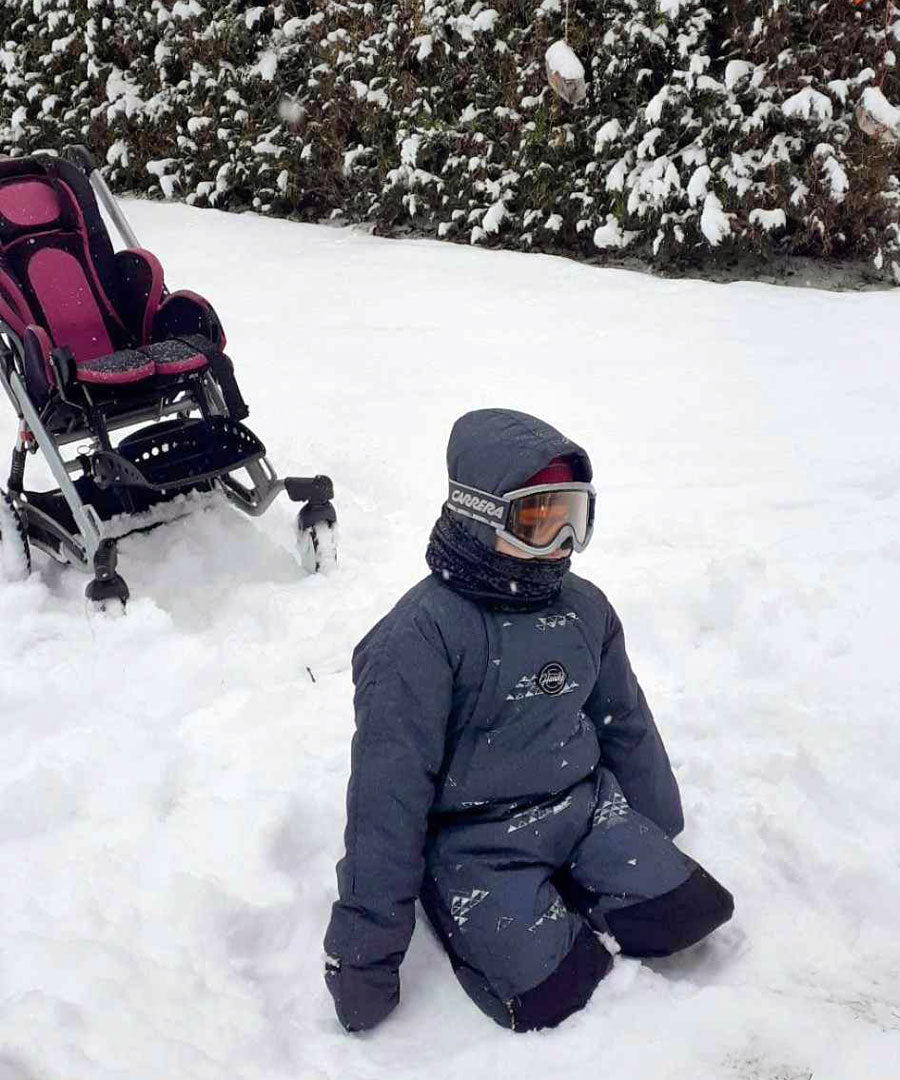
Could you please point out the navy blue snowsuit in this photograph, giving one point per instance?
(507, 770)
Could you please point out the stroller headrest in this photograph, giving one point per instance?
(28, 203)
(30, 200)
(46, 195)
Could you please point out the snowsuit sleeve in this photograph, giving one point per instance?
(629, 740)
(404, 684)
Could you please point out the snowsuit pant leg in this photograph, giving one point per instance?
(518, 903)
(523, 956)
(565, 990)
(628, 877)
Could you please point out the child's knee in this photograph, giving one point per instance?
(563, 992)
(677, 919)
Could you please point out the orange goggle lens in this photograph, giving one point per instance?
(537, 519)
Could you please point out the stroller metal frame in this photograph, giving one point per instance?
(143, 473)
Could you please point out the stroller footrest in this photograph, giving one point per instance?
(177, 453)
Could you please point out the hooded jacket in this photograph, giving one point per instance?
(463, 710)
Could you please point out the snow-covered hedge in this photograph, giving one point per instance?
(706, 127)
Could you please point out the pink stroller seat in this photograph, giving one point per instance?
(109, 310)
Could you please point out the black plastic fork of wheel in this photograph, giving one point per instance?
(107, 584)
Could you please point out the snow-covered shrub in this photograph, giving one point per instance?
(178, 97)
(455, 129)
(706, 128)
(799, 77)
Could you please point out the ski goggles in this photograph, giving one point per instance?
(537, 520)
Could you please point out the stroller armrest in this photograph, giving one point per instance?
(142, 289)
(185, 313)
(40, 374)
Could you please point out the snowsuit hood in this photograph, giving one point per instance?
(498, 450)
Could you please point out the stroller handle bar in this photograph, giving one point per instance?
(82, 158)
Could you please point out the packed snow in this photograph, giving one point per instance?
(612, 235)
(172, 782)
(881, 110)
(735, 71)
(808, 102)
(561, 59)
(770, 220)
(715, 224)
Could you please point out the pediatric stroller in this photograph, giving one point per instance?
(93, 344)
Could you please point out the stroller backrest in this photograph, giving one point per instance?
(56, 260)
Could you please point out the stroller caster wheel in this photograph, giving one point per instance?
(318, 547)
(108, 591)
(317, 536)
(108, 594)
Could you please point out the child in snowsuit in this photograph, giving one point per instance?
(506, 768)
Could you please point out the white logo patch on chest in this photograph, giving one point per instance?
(552, 679)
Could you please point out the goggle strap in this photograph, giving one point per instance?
(482, 506)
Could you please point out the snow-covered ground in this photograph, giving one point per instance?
(172, 783)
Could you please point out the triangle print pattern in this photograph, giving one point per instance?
(611, 812)
(461, 904)
(554, 622)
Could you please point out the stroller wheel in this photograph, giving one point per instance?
(15, 553)
(108, 591)
(108, 596)
(318, 547)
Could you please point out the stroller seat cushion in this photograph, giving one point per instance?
(125, 366)
(175, 357)
(133, 365)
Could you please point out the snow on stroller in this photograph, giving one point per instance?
(92, 344)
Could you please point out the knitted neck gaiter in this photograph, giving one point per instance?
(487, 577)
